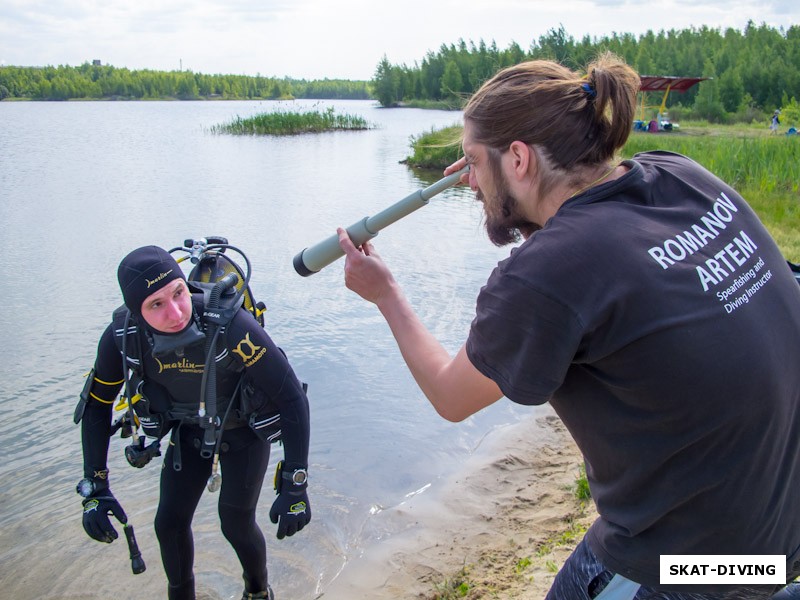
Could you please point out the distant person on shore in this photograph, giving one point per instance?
(649, 305)
(161, 332)
(776, 121)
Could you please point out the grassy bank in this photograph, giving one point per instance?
(451, 104)
(292, 123)
(435, 149)
(764, 169)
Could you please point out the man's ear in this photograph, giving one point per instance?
(522, 159)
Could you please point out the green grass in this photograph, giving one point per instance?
(522, 564)
(707, 128)
(436, 148)
(738, 155)
(581, 489)
(780, 213)
(292, 123)
(570, 535)
(451, 104)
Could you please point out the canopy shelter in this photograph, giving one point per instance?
(666, 84)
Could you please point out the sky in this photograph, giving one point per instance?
(318, 39)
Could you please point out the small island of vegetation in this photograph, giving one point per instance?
(292, 123)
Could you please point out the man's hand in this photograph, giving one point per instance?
(457, 166)
(365, 273)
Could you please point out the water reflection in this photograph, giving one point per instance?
(81, 184)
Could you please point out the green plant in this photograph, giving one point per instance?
(581, 490)
(780, 213)
(457, 587)
(573, 532)
(790, 113)
(522, 564)
(734, 154)
(292, 123)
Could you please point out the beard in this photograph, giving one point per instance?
(503, 221)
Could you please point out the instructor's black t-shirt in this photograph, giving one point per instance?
(658, 317)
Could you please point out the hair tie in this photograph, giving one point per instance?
(589, 90)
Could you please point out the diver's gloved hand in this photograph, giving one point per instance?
(291, 509)
(96, 510)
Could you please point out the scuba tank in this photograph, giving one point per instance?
(211, 264)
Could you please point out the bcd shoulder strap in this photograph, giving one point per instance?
(126, 327)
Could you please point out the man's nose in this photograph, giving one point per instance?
(175, 310)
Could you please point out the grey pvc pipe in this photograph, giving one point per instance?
(314, 258)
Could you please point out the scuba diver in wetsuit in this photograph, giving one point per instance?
(163, 332)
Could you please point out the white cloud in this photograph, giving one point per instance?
(317, 38)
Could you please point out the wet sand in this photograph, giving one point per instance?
(498, 526)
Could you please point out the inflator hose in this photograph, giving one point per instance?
(209, 382)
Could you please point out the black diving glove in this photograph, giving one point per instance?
(291, 509)
(96, 510)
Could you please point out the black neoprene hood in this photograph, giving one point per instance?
(145, 271)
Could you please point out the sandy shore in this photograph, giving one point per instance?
(502, 527)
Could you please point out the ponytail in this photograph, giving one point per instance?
(572, 120)
(615, 85)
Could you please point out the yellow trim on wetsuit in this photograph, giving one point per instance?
(108, 382)
(100, 399)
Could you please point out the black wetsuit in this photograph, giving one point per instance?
(244, 455)
(244, 464)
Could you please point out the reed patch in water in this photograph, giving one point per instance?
(292, 123)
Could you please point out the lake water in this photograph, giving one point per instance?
(81, 184)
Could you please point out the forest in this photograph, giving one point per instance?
(752, 72)
(94, 82)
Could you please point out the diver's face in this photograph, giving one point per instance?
(169, 309)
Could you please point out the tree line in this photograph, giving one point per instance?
(752, 71)
(92, 81)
